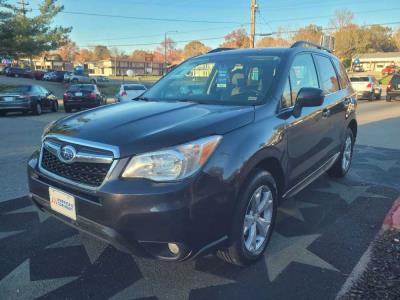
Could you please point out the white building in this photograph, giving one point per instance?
(377, 61)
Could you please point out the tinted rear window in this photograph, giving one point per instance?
(18, 89)
(359, 79)
(81, 87)
(395, 80)
(134, 87)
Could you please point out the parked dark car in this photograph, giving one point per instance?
(59, 76)
(203, 158)
(27, 98)
(38, 74)
(19, 72)
(393, 88)
(80, 96)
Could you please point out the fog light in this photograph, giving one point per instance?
(174, 248)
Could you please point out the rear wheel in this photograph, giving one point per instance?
(3, 113)
(253, 220)
(93, 81)
(74, 80)
(378, 96)
(371, 97)
(37, 110)
(342, 164)
(67, 109)
(388, 98)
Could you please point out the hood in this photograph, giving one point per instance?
(138, 127)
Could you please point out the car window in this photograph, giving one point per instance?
(286, 100)
(302, 74)
(82, 87)
(36, 90)
(343, 78)
(134, 87)
(328, 79)
(44, 91)
(359, 79)
(395, 80)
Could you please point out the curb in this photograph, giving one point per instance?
(392, 219)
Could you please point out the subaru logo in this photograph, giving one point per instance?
(67, 154)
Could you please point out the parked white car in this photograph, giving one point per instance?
(367, 87)
(127, 92)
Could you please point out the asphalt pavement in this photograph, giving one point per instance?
(319, 238)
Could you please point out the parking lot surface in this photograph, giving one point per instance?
(319, 238)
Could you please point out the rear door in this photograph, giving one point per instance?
(308, 135)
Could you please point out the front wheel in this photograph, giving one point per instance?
(37, 110)
(54, 106)
(253, 220)
(378, 96)
(342, 164)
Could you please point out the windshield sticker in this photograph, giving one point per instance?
(222, 77)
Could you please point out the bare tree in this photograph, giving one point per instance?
(342, 18)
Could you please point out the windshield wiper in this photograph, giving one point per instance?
(141, 98)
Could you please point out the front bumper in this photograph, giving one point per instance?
(141, 217)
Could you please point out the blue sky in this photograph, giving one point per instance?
(274, 14)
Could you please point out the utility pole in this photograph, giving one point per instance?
(24, 6)
(253, 22)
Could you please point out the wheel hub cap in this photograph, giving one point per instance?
(257, 220)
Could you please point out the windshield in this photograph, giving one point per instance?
(82, 87)
(18, 89)
(220, 79)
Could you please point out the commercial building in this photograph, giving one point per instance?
(119, 67)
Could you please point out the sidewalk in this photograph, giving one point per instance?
(377, 276)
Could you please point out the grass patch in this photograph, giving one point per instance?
(109, 90)
(139, 78)
(385, 80)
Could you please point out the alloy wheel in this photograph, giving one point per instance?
(347, 153)
(257, 220)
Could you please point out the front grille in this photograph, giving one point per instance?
(92, 174)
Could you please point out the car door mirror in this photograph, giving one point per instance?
(308, 97)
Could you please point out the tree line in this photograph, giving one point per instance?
(25, 36)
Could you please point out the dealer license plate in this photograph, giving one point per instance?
(78, 94)
(62, 203)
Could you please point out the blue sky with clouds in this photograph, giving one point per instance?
(129, 34)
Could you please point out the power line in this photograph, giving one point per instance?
(148, 18)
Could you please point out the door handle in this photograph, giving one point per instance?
(326, 113)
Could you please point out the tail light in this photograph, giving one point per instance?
(67, 96)
(369, 85)
(123, 93)
(92, 95)
(389, 87)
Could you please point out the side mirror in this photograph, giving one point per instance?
(308, 97)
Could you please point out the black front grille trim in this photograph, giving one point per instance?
(91, 174)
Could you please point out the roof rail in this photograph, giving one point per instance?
(309, 44)
(219, 50)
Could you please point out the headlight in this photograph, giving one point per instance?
(173, 163)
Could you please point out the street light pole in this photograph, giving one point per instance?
(165, 47)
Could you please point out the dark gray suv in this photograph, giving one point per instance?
(201, 161)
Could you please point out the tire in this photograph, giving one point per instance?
(371, 97)
(388, 98)
(67, 109)
(237, 252)
(3, 113)
(54, 106)
(93, 81)
(74, 80)
(37, 110)
(339, 168)
(378, 97)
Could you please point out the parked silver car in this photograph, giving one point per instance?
(127, 92)
(367, 87)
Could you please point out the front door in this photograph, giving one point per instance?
(308, 135)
